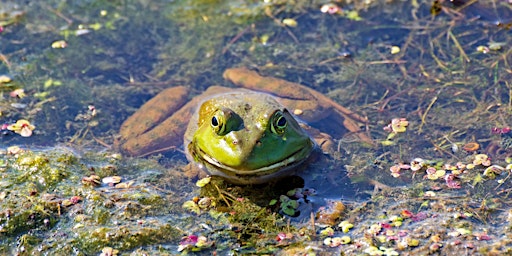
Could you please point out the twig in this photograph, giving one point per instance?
(4, 59)
(312, 217)
(101, 142)
(466, 4)
(278, 22)
(291, 35)
(424, 116)
(232, 41)
(68, 20)
(221, 195)
(160, 150)
(443, 150)
(457, 44)
(394, 96)
(378, 62)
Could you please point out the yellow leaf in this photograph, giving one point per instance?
(290, 22)
(203, 182)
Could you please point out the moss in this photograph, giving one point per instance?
(124, 237)
(101, 216)
(34, 209)
(27, 243)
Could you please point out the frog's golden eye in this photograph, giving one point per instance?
(218, 122)
(225, 120)
(278, 124)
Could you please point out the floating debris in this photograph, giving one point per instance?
(17, 93)
(72, 201)
(471, 147)
(345, 226)
(4, 79)
(288, 206)
(192, 207)
(93, 180)
(81, 32)
(395, 49)
(111, 180)
(331, 9)
(502, 130)
(337, 241)
(195, 243)
(124, 184)
(18, 105)
(298, 112)
(22, 127)
(290, 22)
(60, 44)
(203, 182)
(109, 251)
(328, 215)
(482, 159)
(282, 236)
(14, 150)
(397, 125)
(491, 46)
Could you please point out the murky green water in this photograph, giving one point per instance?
(84, 67)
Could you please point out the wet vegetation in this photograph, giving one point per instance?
(432, 77)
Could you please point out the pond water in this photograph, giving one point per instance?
(431, 80)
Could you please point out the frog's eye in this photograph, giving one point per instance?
(225, 120)
(218, 122)
(278, 124)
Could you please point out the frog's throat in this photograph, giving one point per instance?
(262, 174)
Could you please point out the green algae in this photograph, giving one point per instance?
(125, 237)
(38, 185)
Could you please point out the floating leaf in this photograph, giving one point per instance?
(290, 22)
(353, 15)
(18, 93)
(111, 180)
(191, 206)
(203, 182)
(60, 44)
(5, 79)
(395, 49)
(345, 226)
(22, 127)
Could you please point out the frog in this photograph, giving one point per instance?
(249, 135)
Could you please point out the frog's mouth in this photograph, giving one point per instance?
(251, 176)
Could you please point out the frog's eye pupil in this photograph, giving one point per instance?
(215, 122)
(218, 122)
(281, 122)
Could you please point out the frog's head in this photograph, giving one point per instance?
(248, 138)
